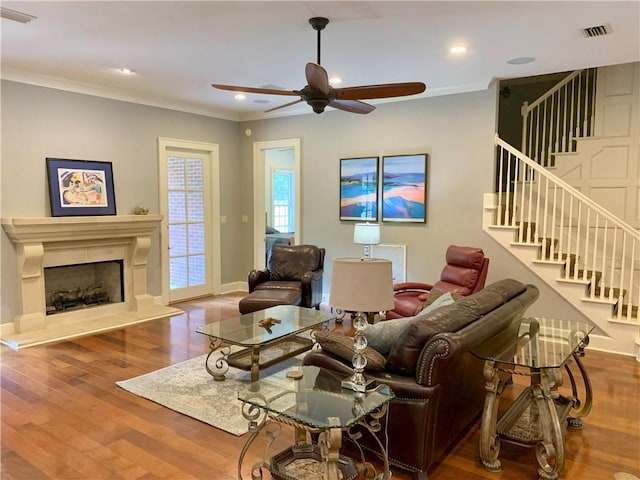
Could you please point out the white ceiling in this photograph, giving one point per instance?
(178, 48)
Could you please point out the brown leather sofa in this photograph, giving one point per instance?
(438, 383)
(464, 274)
(293, 277)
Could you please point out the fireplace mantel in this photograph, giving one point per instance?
(41, 242)
(61, 229)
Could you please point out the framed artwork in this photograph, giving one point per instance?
(80, 187)
(404, 188)
(359, 189)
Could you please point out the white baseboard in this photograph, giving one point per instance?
(234, 287)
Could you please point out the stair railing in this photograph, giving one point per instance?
(561, 114)
(594, 245)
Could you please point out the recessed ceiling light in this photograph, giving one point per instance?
(127, 71)
(458, 49)
(521, 60)
(335, 80)
(239, 96)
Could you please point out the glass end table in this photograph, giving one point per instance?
(313, 404)
(539, 416)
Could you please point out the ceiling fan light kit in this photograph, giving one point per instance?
(319, 94)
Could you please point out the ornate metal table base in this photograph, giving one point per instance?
(322, 457)
(250, 358)
(535, 419)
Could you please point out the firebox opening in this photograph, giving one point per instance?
(72, 287)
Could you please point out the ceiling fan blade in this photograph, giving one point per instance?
(353, 106)
(317, 77)
(386, 90)
(266, 91)
(283, 106)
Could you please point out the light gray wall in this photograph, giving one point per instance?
(41, 122)
(456, 131)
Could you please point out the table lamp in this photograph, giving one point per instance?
(360, 285)
(366, 234)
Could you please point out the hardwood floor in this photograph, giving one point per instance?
(63, 417)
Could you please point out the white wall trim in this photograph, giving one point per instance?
(258, 193)
(211, 149)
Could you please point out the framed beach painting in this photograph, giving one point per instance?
(359, 189)
(404, 188)
(80, 187)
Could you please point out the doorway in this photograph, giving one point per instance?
(276, 201)
(190, 234)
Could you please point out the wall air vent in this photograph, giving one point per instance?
(597, 31)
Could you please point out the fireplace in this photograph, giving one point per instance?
(79, 262)
(83, 285)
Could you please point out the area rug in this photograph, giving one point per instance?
(187, 388)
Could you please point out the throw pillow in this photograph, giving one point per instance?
(434, 295)
(382, 335)
(342, 346)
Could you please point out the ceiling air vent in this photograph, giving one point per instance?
(597, 31)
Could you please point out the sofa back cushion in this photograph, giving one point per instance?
(408, 346)
(382, 335)
(291, 262)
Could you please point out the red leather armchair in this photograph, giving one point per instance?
(465, 273)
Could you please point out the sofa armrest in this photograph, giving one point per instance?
(256, 277)
(312, 288)
(412, 287)
(402, 386)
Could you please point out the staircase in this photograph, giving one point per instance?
(584, 252)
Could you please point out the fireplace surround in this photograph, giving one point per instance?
(42, 242)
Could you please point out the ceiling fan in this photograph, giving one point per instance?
(318, 93)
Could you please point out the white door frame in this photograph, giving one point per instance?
(165, 146)
(259, 149)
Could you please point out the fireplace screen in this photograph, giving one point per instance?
(71, 287)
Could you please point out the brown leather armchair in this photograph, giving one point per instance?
(464, 274)
(293, 276)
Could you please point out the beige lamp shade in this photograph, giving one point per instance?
(361, 284)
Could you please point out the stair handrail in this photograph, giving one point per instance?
(572, 190)
(561, 114)
(527, 107)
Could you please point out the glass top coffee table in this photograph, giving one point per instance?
(314, 403)
(267, 337)
(543, 348)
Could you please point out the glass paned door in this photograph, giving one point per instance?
(188, 229)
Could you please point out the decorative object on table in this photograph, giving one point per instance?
(295, 374)
(141, 210)
(366, 234)
(359, 189)
(267, 323)
(404, 188)
(319, 94)
(80, 187)
(361, 285)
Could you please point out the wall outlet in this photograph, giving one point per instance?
(223, 219)
(245, 218)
